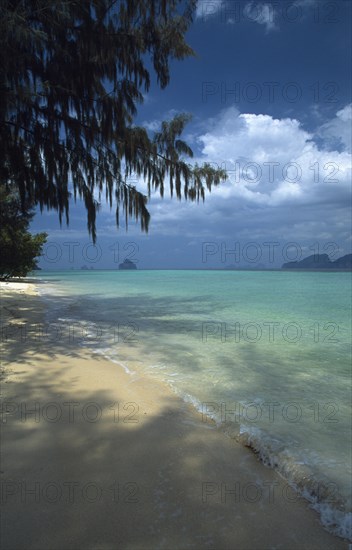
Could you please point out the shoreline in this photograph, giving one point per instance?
(160, 477)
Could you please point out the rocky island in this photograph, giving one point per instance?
(321, 261)
(127, 264)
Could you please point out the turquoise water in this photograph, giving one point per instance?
(267, 355)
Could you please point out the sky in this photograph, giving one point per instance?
(269, 91)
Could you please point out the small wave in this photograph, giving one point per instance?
(322, 494)
(104, 353)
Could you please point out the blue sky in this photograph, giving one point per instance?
(270, 95)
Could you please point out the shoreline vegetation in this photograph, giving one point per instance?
(97, 458)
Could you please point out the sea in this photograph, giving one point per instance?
(264, 354)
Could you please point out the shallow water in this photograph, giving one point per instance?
(267, 355)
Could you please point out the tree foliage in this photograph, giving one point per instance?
(18, 247)
(72, 75)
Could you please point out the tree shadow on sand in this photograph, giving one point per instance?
(88, 471)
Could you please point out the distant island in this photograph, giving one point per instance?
(321, 261)
(248, 267)
(127, 264)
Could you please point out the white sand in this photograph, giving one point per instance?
(127, 465)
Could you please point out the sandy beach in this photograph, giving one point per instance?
(96, 458)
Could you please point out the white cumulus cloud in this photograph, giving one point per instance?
(280, 181)
(338, 130)
(263, 14)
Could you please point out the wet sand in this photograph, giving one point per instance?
(96, 458)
